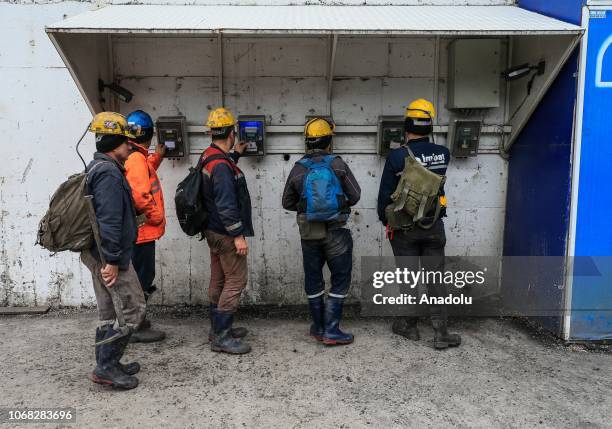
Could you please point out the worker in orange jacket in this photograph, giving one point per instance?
(141, 173)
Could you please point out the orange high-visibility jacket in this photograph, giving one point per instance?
(141, 173)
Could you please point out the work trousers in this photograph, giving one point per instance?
(336, 249)
(127, 288)
(143, 259)
(423, 248)
(228, 272)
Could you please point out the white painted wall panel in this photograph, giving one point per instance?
(41, 109)
(175, 56)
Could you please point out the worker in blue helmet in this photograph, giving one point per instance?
(141, 173)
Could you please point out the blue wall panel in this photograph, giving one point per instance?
(592, 296)
(539, 184)
(537, 206)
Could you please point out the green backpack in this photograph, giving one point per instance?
(416, 195)
(66, 225)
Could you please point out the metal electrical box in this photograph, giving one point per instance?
(464, 138)
(172, 132)
(390, 133)
(474, 73)
(252, 130)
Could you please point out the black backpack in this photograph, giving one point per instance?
(188, 200)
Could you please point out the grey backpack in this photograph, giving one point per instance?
(66, 225)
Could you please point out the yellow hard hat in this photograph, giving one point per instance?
(112, 123)
(420, 109)
(220, 118)
(319, 127)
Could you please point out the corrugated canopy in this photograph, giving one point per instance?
(384, 20)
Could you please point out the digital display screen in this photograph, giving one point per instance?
(251, 132)
(170, 144)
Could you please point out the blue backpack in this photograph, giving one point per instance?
(321, 190)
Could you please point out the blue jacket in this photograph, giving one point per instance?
(226, 195)
(112, 199)
(434, 157)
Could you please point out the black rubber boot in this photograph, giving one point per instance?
(144, 334)
(107, 371)
(333, 314)
(131, 368)
(223, 340)
(237, 332)
(146, 324)
(317, 313)
(442, 339)
(406, 327)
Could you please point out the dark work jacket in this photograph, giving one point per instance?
(114, 207)
(292, 195)
(434, 157)
(226, 195)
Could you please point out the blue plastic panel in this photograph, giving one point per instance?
(592, 297)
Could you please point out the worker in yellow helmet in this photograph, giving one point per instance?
(321, 188)
(228, 204)
(111, 267)
(425, 239)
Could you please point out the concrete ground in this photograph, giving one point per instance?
(504, 375)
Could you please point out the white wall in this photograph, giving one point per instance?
(42, 115)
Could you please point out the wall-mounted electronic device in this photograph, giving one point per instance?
(474, 73)
(464, 138)
(252, 130)
(327, 118)
(172, 132)
(390, 133)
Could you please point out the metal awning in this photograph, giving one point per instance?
(85, 41)
(383, 20)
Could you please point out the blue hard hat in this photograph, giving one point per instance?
(140, 118)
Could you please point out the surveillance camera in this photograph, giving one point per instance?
(518, 72)
(123, 94)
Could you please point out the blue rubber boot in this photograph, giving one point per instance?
(317, 313)
(333, 314)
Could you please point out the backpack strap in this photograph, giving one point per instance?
(410, 153)
(421, 211)
(403, 196)
(215, 157)
(306, 163)
(435, 217)
(328, 159)
(212, 158)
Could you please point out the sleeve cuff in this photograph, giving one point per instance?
(112, 260)
(235, 229)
